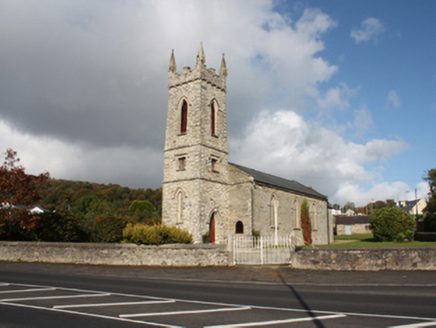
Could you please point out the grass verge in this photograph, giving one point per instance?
(368, 240)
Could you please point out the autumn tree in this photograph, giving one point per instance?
(17, 189)
(305, 223)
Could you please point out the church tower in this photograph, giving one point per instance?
(195, 154)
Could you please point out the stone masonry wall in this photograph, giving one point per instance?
(346, 259)
(115, 254)
(288, 214)
(365, 259)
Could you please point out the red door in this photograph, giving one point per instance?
(212, 229)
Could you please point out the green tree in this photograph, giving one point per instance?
(108, 229)
(348, 206)
(18, 188)
(430, 209)
(57, 226)
(392, 224)
(142, 210)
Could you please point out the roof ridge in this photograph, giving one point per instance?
(279, 182)
(275, 176)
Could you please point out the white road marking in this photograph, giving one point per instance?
(388, 316)
(416, 325)
(91, 315)
(110, 304)
(27, 290)
(236, 307)
(135, 315)
(279, 322)
(281, 283)
(52, 297)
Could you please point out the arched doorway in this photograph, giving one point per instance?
(239, 227)
(212, 228)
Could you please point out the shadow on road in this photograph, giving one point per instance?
(305, 306)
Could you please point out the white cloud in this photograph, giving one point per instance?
(370, 29)
(337, 97)
(284, 144)
(379, 191)
(362, 121)
(137, 168)
(84, 89)
(393, 100)
(84, 83)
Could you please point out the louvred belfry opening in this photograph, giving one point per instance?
(184, 117)
(212, 118)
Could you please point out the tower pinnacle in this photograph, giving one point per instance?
(223, 68)
(201, 58)
(172, 67)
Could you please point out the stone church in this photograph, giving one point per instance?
(205, 194)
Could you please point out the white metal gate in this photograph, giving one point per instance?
(262, 250)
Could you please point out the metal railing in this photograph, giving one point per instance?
(262, 250)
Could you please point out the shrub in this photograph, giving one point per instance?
(108, 229)
(158, 234)
(392, 224)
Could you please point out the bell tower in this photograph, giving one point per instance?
(196, 154)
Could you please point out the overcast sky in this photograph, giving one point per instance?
(338, 95)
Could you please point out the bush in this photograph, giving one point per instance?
(392, 224)
(158, 234)
(108, 229)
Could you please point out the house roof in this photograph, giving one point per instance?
(30, 208)
(350, 220)
(409, 204)
(274, 181)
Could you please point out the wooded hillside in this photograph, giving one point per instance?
(84, 199)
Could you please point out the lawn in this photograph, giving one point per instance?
(367, 240)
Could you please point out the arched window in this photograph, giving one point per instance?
(239, 227)
(297, 214)
(212, 118)
(179, 195)
(313, 216)
(273, 205)
(184, 117)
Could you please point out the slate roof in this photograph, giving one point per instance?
(350, 220)
(409, 205)
(274, 181)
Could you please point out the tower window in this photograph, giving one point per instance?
(184, 117)
(213, 164)
(239, 227)
(182, 163)
(212, 118)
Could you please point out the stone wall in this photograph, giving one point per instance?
(289, 214)
(365, 259)
(346, 259)
(356, 229)
(114, 254)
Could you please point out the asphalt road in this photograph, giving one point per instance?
(44, 295)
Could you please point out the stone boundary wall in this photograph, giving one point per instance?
(365, 259)
(346, 259)
(115, 254)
